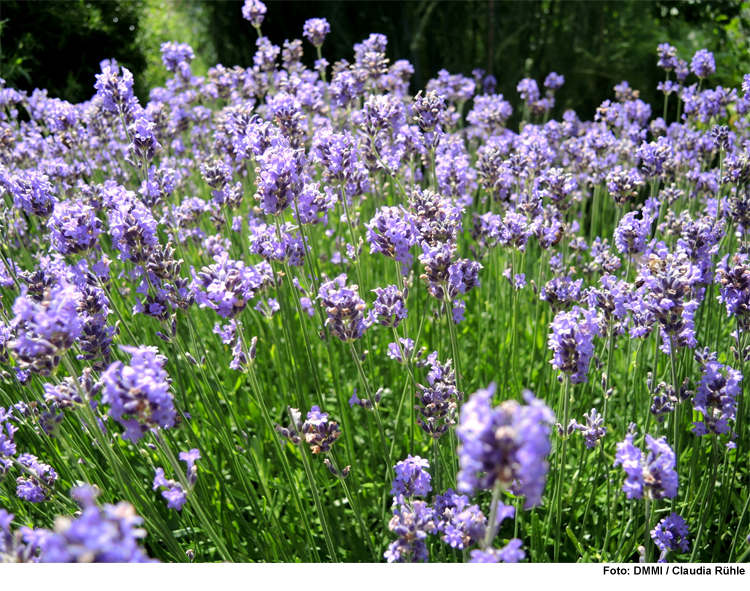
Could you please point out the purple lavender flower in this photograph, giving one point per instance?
(655, 473)
(703, 64)
(279, 182)
(138, 393)
(395, 352)
(315, 31)
(144, 144)
(631, 234)
(554, 81)
(45, 327)
(227, 285)
(438, 401)
(175, 495)
(490, 113)
(74, 228)
(109, 534)
(561, 293)
(344, 308)
(265, 241)
(671, 535)
(412, 478)
(667, 56)
(392, 232)
(254, 11)
(35, 486)
(528, 90)
(411, 522)
(670, 280)
(133, 230)
(734, 288)
(593, 430)
(115, 90)
(572, 342)
(657, 158)
(31, 191)
(623, 184)
(507, 444)
(429, 115)
(389, 307)
(8, 446)
(716, 399)
(319, 433)
(511, 553)
(177, 57)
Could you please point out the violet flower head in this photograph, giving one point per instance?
(403, 353)
(74, 228)
(319, 433)
(411, 478)
(315, 31)
(37, 481)
(144, 143)
(133, 230)
(412, 523)
(671, 535)
(461, 524)
(344, 308)
(593, 430)
(254, 11)
(572, 342)
(716, 399)
(115, 89)
(177, 57)
(392, 233)
(280, 180)
(561, 293)
(703, 64)
(667, 57)
(529, 90)
(734, 288)
(623, 183)
(138, 393)
(228, 285)
(653, 474)
(337, 152)
(671, 282)
(429, 115)
(508, 444)
(438, 401)
(554, 81)
(46, 327)
(511, 553)
(631, 234)
(389, 308)
(175, 495)
(110, 534)
(32, 192)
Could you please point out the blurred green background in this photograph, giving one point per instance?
(58, 44)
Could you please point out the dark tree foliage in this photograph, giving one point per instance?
(594, 45)
(58, 45)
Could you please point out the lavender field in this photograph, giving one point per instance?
(282, 314)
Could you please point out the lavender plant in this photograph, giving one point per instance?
(185, 274)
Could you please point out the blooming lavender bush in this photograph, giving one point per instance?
(210, 270)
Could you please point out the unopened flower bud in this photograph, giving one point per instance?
(163, 337)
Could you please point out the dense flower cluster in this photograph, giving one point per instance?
(138, 394)
(254, 191)
(654, 474)
(506, 445)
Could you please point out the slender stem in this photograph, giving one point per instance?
(490, 534)
(318, 505)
